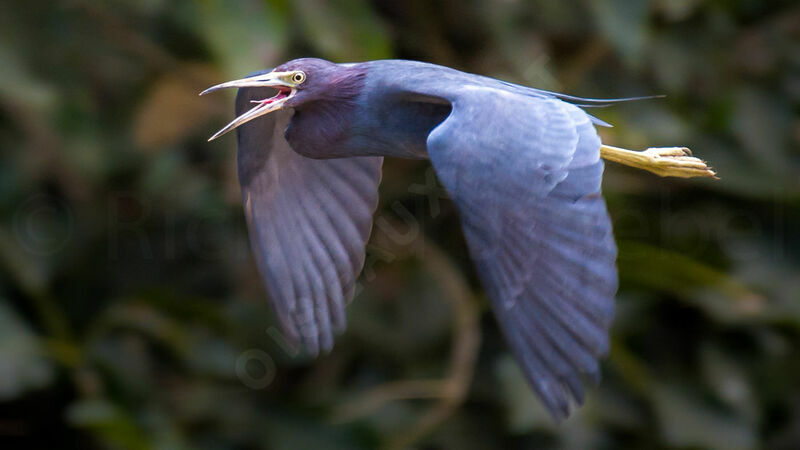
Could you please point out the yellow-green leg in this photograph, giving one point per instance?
(662, 161)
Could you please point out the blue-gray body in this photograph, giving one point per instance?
(522, 166)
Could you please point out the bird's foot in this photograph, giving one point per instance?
(677, 162)
(662, 161)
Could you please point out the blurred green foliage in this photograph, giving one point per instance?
(131, 315)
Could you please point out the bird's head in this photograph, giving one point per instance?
(298, 82)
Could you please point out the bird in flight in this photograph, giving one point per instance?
(523, 166)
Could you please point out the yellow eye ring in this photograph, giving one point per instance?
(298, 77)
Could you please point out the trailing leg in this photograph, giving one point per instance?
(662, 161)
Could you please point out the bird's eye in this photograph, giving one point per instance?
(299, 77)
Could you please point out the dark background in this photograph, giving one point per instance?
(131, 314)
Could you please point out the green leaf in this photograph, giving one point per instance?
(244, 35)
(623, 23)
(722, 296)
(23, 366)
(19, 85)
(726, 377)
(675, 10)
(109, 422)
(524, 410)
(343, 30)
(685, 421)
(760, 123)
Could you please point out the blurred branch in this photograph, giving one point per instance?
(373, 399)
(124, 36)
(466, 342)
(450, 391)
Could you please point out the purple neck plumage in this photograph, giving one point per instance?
(336, 115)
(324, 107)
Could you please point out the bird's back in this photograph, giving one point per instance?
(399, 105)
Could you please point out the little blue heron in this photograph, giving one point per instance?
(522, 165)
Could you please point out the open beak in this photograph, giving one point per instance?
(278, 80)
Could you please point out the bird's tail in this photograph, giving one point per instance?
(583, 102)
(599, 102)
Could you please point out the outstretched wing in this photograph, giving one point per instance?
(525, 173)
(309, 221)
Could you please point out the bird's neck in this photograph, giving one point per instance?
(321, 129)
(362, 118)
